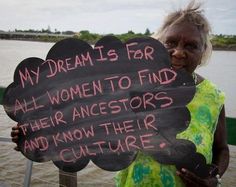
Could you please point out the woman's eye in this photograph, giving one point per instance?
(191, 46)
(169, 44)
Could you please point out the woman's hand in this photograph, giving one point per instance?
(192, 180)
(15, 136)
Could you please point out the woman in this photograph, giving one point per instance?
(185, 34)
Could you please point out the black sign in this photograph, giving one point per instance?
(103, 104)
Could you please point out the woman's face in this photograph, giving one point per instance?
(185, 46)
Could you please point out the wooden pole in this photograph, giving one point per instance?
(67, 179)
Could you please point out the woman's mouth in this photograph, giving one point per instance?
(177, 66)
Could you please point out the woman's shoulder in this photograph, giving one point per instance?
(204, 81)
(207, 86)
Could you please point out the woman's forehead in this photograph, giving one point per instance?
(184, 30)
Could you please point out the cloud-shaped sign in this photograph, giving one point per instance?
(103, 104)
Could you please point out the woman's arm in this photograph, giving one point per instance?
(220, 157)
(220, 146)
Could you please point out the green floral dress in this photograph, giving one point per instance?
(204, 109)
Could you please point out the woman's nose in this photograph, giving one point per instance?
(179, 53)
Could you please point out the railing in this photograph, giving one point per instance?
(65, 178)
(29, 164)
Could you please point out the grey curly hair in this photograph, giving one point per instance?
(192, 14)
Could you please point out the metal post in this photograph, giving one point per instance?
(28, 173)
(4, 139)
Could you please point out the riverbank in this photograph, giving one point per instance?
(219, 42)
(224, 48)
(215, 48)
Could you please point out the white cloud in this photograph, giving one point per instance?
(105, 16)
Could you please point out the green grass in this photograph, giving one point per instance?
(1, 94)
(231, 129)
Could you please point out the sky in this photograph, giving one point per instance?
(107, 16)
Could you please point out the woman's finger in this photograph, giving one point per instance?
(15, 139)
(186, 180)
(15, 127)
(17, 148)
(15, 133)
(190, 177)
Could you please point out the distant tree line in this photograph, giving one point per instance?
(227, 42)
(48, 31)
(93, 38)
(85, 35)
(220, 42)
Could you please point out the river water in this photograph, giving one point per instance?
(220, 70)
